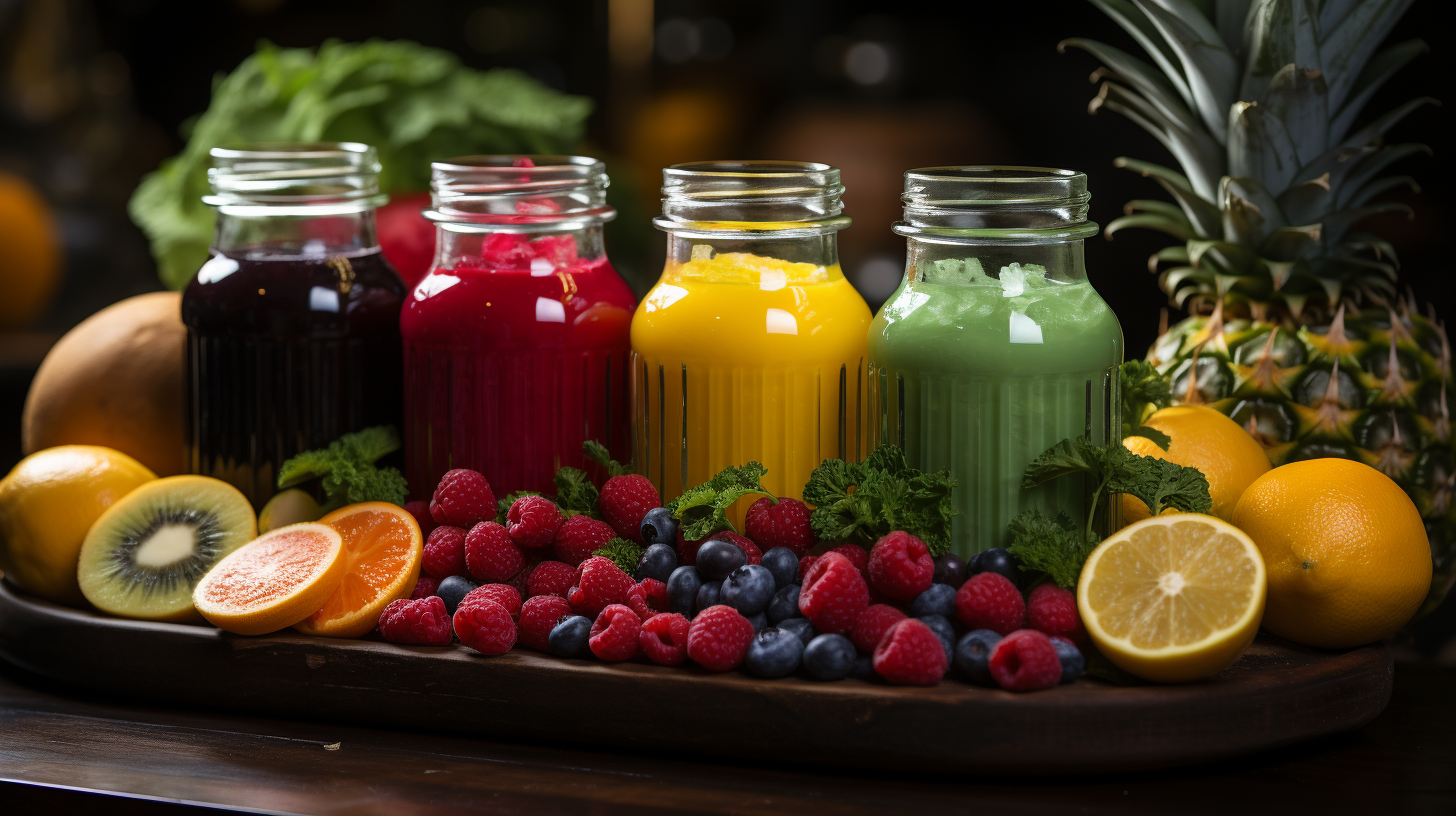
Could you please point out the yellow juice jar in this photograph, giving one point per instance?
(751, 347)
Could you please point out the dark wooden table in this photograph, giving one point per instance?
(66, 753)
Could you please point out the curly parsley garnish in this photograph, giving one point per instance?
(860, 502)
(703, 510)
(346, 470)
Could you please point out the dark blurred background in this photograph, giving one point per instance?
(93, 93)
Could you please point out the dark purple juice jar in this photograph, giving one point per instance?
(293, 324)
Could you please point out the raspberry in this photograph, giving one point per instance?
(990, 601)
(599, 583)
(719, 637)
(422, 622)
(834, 594)
(614, 635)
(1052, 611)
(425, 586)
(647, 598)
(462, 499)
(872, 624)
(857, 556)
(664, 639)
(490, 554)
(550, 578)
(805, 562)
(749, 548)
(624, 500)
(539, 615)
(444, 553)
(485, 626)
(503, 594)
(421, 511)
(1025, 660)
(900, 566)
(580, 536)
(911, 655)
(784, 523)
(533, 522)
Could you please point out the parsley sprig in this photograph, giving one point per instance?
(703, 510)
(346, 470)
(860, 502)
(1143, 391)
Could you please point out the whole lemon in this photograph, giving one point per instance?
(1345, 549)
(1202, 438)
(48, 503)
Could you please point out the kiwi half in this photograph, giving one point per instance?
(143, 556)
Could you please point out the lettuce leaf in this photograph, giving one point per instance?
(413, 104)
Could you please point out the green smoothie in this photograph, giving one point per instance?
(979, 373)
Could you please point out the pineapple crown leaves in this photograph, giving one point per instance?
(1257, 102)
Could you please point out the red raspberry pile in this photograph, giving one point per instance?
(882, 603)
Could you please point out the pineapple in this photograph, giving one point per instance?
(1298, 329)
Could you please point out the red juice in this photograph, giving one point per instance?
(513, 356)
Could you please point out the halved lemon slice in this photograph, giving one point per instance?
(1173, 598)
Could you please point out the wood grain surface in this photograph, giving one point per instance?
(1275, 695)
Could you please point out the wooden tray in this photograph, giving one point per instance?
(1278, 693)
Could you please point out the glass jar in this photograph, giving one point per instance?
(751, 347)
(293, 323)
(995, 347)
(516, 340)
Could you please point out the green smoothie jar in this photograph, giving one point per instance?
(995, 347)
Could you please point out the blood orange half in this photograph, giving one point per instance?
(273, 581)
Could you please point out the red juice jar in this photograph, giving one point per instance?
(293, 323)
(516, 342)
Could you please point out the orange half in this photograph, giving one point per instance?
(383, 546)
(273, 581)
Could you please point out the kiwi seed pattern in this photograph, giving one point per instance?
(207, 534)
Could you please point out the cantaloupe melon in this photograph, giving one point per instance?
(115, 380)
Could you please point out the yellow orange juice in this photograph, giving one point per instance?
(739, 357)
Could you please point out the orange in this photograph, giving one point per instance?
(30, 267)
(1202, 438)
(383, 546)
(273, 581)
(1348, 558)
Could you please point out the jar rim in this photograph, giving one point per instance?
(492, 193)
(294, 178)
(995, 204)
(751, 198)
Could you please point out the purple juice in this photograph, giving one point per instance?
(286, 354)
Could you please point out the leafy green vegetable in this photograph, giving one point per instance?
(346, 469)
(503, 505)
(1058, 548)
(625, 554)
(703, 510)
(413, 104)
(861, 502)
(597, 452)
(1143, 390)
(576, 494)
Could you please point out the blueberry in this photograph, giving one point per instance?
(774, 653)
(748, 589)
(452, 589)
(950, 570)
(864, 669)
(941, 626)
(938, 600)
(658, 561)
(707, 595)
(829, 657)
(659, 527)
(785, 604)
(973, 656)
(784, 565)
(717, 558)
(682, 589)
(568, 637)
(998, 561)
(1073, 661)
(759, 621)
(800, 627)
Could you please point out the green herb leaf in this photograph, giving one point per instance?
(703, 510)
(413, 104)
(861, 502)
(576, 494)
(346, 470)
(625, 554)
(1160, 484)
(1143, 391)
(1056, 547)
(597, 452)
(503, 505)
(1066, 457)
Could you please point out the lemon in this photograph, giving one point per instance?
(1173, 598)
(1202, 438)
(48, 503)
(1348, 558)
